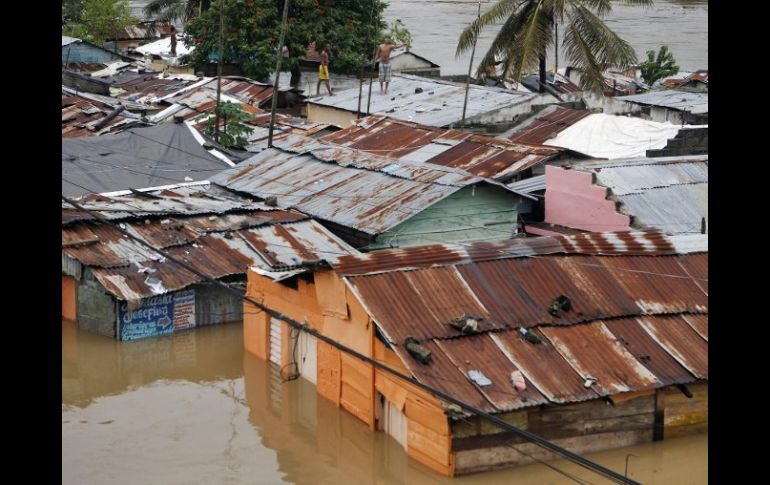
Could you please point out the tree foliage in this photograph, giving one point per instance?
(655, 68)
(528, 31)
(252, 29)
(167, 12)
(399, 34)
(95, 20)
(232, 123)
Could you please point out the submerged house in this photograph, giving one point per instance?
(593, 342)
(669, 194)
(481, 155)
(372, 201)
(433, 102)
(115, 286)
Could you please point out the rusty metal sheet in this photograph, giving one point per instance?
(659, 285)
(547, 124)
(395, 302)
(697, 266)
(699, 323)
(442, 374)
(639, 343)
(542, 365)
(681, 341)
(593, 351)
(480, 353)
(652, 243)
(343, 195)
(481, 155)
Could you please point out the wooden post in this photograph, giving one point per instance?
(660, 408)
(277, 74)
(219, 67)
(470, 68)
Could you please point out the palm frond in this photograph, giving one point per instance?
(590, 43)
(601, 7)
(534, 40)
(500, 46)
(156, 6)
(501, 10)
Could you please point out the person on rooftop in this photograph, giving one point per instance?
(323, 71)
(383, 56)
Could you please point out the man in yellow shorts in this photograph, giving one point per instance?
(323, 71)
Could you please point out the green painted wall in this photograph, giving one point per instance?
(477, 213)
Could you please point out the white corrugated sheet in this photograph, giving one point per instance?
(68, 40)
(608, 136)
(162, 47)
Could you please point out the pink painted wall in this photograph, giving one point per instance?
(572, 200)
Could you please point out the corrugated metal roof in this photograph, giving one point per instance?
(481, 155)
(81, 117)
(546, 124)
(611, 243)
(348, 187)
(439, 103)
(690, 102)
(529, 185)
(635, 323)
(667, 194)
(195, 226)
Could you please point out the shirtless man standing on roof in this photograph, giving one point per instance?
(383, 55)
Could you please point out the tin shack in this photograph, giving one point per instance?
(593, 341)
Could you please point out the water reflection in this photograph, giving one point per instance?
(192, 408)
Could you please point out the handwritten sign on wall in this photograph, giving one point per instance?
(159, 315)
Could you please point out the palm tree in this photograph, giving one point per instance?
(170, 11)
(528, 31)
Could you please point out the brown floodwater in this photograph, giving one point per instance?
(192, 408)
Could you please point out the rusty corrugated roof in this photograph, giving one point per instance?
(634, 322)
(218, 236)
(481, 155)
(348, 187)
(83, 117)
(547, 124)
(650, 242)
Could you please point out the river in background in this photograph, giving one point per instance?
(436, 25)
(192, 408)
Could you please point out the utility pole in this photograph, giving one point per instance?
(556, 49)
(470, 68)
(277, 73)
(219, 67)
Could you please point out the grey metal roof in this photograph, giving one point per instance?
(671, 195)
(439, 104)
(135, 158)
(529, 185)
(695, 103)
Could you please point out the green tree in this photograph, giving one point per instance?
(528, 31)
(252, 27)
(96, 20)
(71, 11)
(655, 68)
(170, 11)
(232, 123)
(400, 34)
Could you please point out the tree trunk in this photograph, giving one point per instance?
(542, 73)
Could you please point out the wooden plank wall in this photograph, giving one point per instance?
(69, 298)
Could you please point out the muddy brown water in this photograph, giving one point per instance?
(192, 408)
(436, 25)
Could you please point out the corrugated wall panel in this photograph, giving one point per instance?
(276, 327)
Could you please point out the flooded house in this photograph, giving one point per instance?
(568, 337)
(372, 201)
(433, 102)
(116, 286)
(669, 194)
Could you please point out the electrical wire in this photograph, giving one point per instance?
(575, 458)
